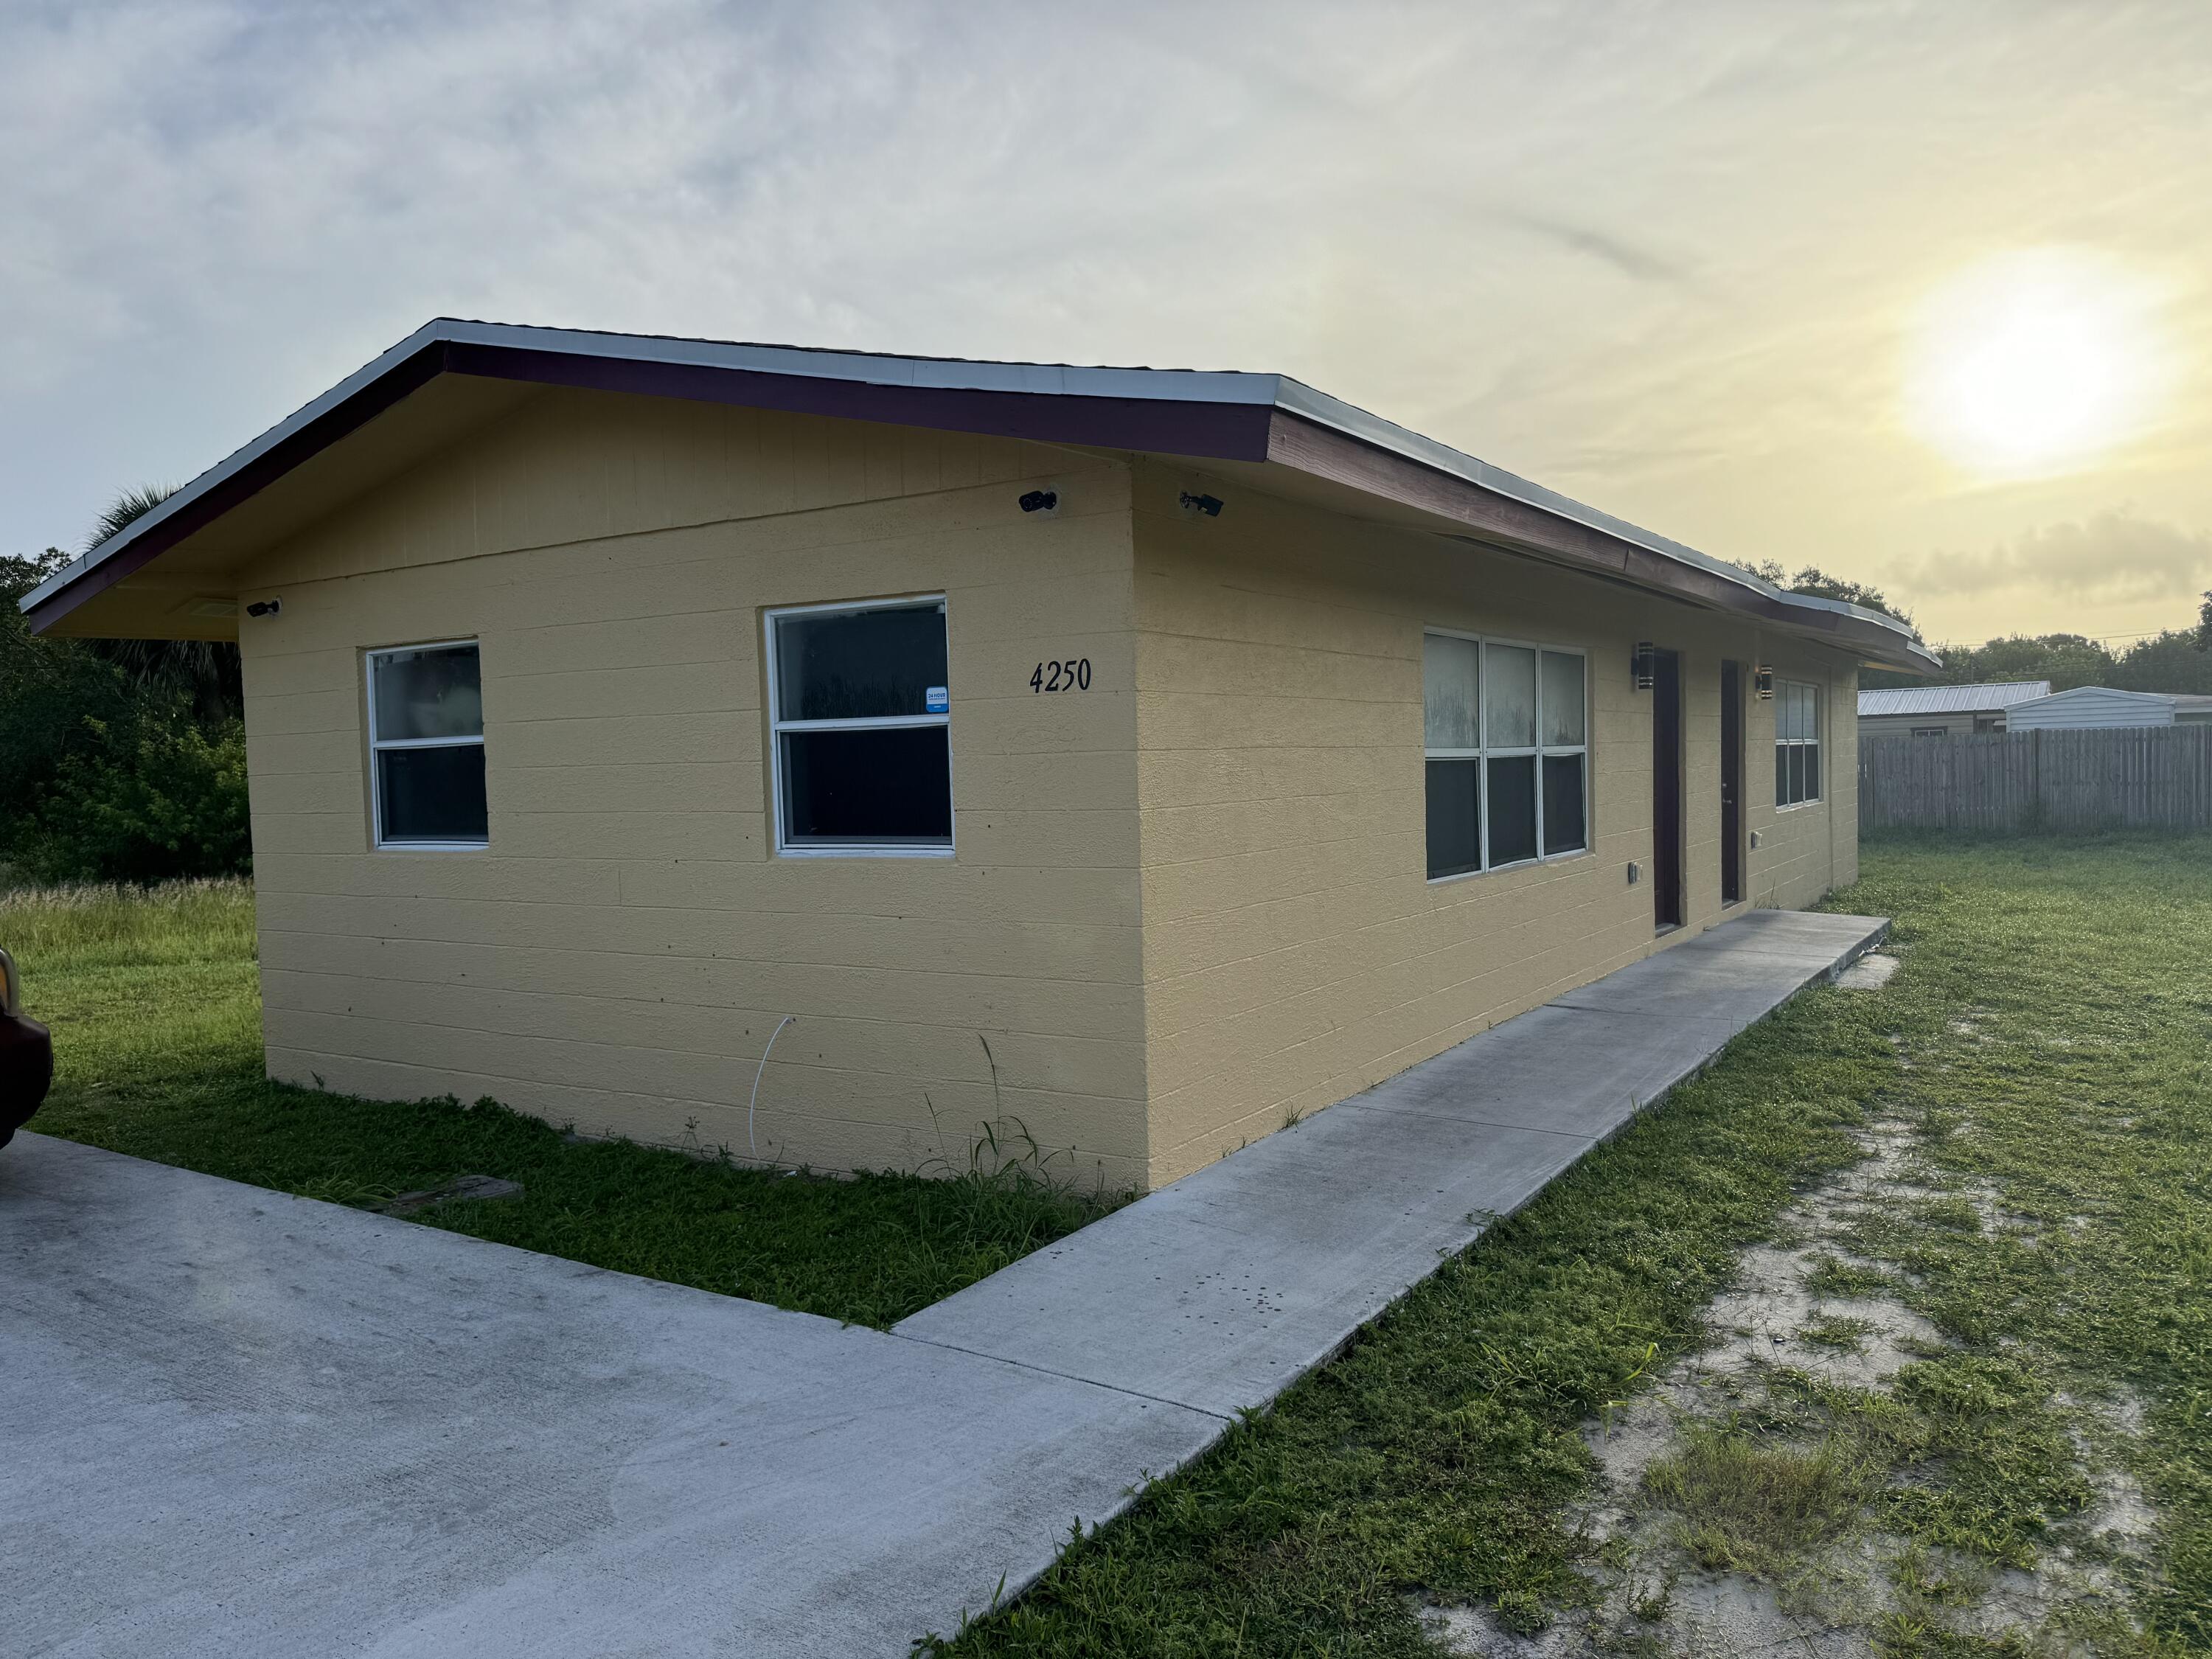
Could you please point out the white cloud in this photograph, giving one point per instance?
(1654, 255)
(2112, 556)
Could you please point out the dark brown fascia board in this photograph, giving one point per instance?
(1227, 432)
(1208, 415)
(1491, 516)
(1192, 428)
(249, 480)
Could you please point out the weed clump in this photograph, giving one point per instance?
(1751, 1504)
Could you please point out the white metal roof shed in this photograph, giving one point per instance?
(2088, 706)
(1982, 699)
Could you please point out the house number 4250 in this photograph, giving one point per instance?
(1071, 676)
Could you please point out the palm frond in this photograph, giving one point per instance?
(204, 673)
(125, 509)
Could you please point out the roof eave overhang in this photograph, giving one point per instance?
(1506, 512)
(237, 478)
(1214, 416)
(1200, 415)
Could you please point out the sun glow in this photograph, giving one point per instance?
(2037, 361)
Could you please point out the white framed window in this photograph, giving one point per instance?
(1796, 742)
(1506, 734)
(426, 746)
(859, 729)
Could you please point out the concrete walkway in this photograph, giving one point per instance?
(240, 1424)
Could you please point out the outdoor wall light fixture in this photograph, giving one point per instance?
(1040, 500)
(264, 607)
(1209, 505)
(1762, 681)
(1641, 666)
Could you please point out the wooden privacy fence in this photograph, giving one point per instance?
(2152, 777)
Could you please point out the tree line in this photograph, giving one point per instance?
(2176, 660)
(120, 760)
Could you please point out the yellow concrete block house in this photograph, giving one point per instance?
(1145, 758)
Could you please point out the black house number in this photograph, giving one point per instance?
(1071, 676)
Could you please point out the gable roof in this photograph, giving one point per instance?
(1950, 699)
(1227, 417)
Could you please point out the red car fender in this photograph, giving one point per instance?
(26, 1056)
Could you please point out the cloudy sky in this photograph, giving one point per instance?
(1915, 291)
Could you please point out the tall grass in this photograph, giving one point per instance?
(83, 926)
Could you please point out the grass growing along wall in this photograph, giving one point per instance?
(155, 1005)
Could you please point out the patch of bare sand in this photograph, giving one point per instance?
(1781, 1313)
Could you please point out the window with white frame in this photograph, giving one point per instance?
(860, 725)
(1796, 742)
(426, 746)
(1507, 730)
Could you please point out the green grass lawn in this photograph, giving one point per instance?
(2046, 1040)
(156, 1018)
(2050, 1038)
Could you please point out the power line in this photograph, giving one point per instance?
(2148, 634)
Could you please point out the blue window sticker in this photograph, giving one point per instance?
(935, 700)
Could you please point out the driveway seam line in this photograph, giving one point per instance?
(1066, 1376)
(1472, 1122)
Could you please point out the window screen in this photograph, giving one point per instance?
(862, 723)
(427, 747)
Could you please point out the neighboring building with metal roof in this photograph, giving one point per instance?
(1942, 711)
(1140, 757)
(2087, 705)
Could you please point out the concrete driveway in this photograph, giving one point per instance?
(237, 1424)
(240, 1424)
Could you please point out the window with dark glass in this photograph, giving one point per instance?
(426, 746)
(1565, 750)
(1451, 689)
(1506, 731)
(1796, 742)
(861, 722)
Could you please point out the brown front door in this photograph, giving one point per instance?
(1667, 789)
(1731, 782)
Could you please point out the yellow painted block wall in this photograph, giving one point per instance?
(1294, 951)
(1186, 904)
(618, 956)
